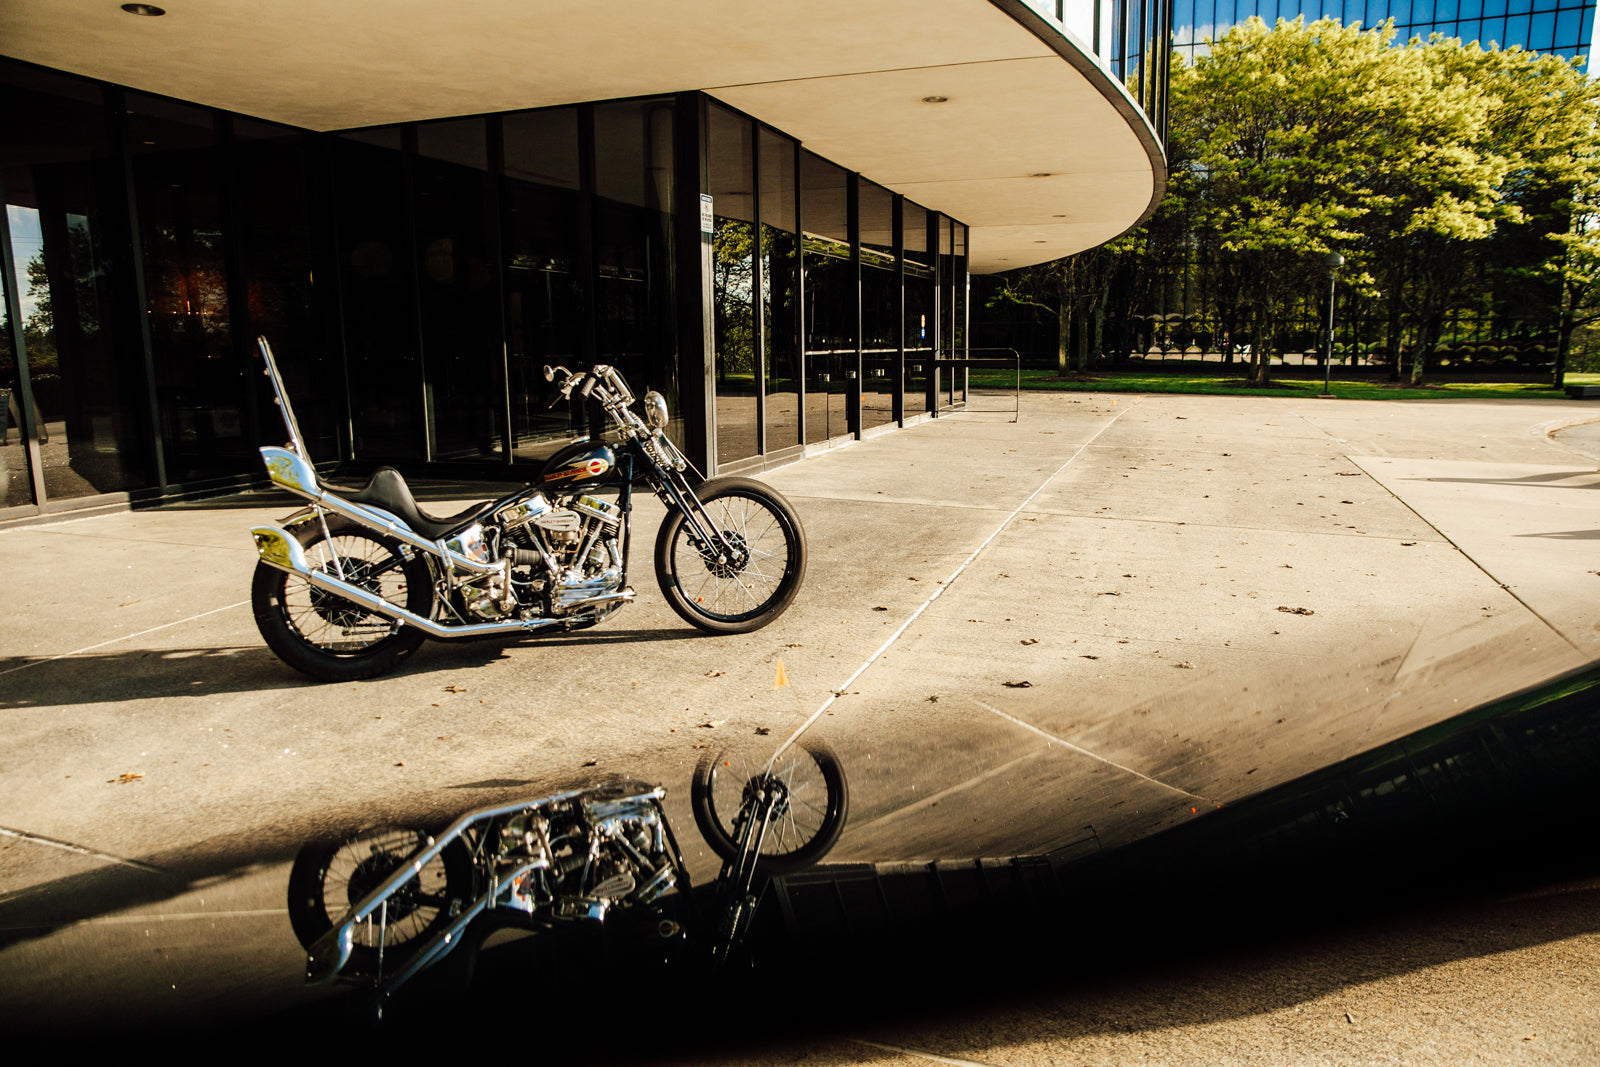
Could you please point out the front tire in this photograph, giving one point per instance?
(321, 634)
(733, 595)
(327, 879)
(808, 820)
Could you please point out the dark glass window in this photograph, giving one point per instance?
(458, 291)
(273, 231)
(780, 291)
(1542, 32)
(946, 268)
(635, 284)
(81, 353)
(1569, 29)
(920, 319)
(546, 293)
(200, 384)
(731, 158)
(382, 353)
(958, 302)
(830, 296)
(880, 306)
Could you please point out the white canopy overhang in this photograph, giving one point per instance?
(978, 108)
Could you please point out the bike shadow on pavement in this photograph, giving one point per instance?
(153, 674)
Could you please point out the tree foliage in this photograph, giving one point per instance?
(1448, 176)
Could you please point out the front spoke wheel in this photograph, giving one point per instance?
(747, 572)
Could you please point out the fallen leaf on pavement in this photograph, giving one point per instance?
(714, 674)
(1296, 611)
(711, 724)
(1018, 685)
(455, 689)
(131, 776)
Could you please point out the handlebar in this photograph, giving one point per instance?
(600, 376)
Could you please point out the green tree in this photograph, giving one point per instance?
(1453, 179)
(1278, 149)
(1073, 291)
(733, 293)
(1547, 124)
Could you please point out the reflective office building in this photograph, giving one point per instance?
(1562, 27)
(768, 215)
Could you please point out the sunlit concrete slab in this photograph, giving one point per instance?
(947, 561)
(1493, 512)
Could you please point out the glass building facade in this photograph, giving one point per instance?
(415, 279)
(1561, 27)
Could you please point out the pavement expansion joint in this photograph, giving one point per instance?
(124, 637)
(67, 846)
(1053, 739)
(945, 584)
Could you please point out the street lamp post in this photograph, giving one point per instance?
(1333, 261)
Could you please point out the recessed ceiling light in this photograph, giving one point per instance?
(144, 9)
(936, 100)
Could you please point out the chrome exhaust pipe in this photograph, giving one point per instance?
(278, 549)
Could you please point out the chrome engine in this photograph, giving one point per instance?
(583, 858)
(561, 555)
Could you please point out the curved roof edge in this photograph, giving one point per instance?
(1068, 46)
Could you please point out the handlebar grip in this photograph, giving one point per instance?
(589, 382)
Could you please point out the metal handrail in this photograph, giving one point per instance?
(966, 363)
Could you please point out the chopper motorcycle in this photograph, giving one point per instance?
(351, 585)
(380, 907)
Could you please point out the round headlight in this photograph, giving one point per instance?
(655, 410)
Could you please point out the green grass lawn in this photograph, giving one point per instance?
(1221, 382)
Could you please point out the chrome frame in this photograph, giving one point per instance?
(328, 956)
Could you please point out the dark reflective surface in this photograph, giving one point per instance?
(1047, 727)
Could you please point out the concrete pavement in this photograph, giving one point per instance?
(1094, 621)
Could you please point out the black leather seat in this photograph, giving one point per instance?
(388, 490)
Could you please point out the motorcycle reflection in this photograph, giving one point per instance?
(382, 906)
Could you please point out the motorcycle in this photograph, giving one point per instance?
(350, 586)
(381, 907)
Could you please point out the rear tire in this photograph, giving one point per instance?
(322, 635)
(327, 879)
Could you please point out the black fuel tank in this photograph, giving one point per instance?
(580, 465)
